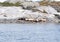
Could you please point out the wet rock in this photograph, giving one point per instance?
(26, 8)
(21, 18)
(29, 8)
(59, 22)
(57, 15)
(5, 15)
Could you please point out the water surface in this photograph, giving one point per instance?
(30, 32)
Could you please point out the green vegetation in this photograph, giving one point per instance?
(9, 4)
(17, 4)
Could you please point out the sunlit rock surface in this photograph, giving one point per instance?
(47, 13)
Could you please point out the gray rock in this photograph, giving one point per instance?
(58, 16)
(57, 8)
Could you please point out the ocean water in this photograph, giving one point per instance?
(30, 32)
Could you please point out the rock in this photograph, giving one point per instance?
(57, 15)
(21, 19)
(56, 7)
(36, 10)
(29, 7)
(59, 22)
(47, 9)
(19, 14)
(30, 4)
(5, 15)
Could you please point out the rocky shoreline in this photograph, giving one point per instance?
(39, 14)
